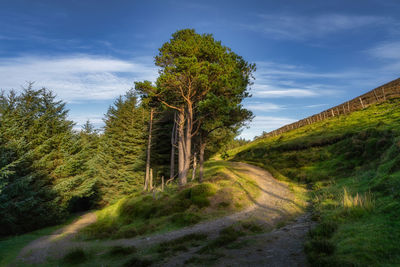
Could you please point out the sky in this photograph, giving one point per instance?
(310, 55)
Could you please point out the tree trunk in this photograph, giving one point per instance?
(194, 166)
(147, 177)
(151, 180)
(185, 142)
(201, 159)
(173, 144)
(181, 144)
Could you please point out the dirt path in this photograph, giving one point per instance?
(38, 250)
(275, 204)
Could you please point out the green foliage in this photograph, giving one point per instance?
(120, 158)
(141, 214)
(41, 162)
(352, 164)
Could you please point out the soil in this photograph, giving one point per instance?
(275, 205)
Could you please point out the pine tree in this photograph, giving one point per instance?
(122, 147)
(33, 129)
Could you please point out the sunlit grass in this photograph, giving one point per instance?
(352, 164)
(363, 201)
(223, 191)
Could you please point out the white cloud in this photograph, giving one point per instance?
(316, 106)
(262, 91)
(265, 123)
(389, 50)
(81, 119)
(263, 106)
(294, 27)
(76, 77)
(389, 53)
(275, 80)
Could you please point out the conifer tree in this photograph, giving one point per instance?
(122, 147)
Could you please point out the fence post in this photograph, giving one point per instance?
(377, 100)
(383, 92)
(362, 104)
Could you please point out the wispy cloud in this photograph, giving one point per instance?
(265, 123)
(264, 106)
(389, 54)
(316, 106)
(274, 80)
(76, 77)
(295, 27)
(387, 50)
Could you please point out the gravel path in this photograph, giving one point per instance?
(274, 204)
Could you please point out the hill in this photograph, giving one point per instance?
(212, 222)
(352, 163)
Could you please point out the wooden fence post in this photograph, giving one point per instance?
(383, 92)
(362, 104)
(375, 95)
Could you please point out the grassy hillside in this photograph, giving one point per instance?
(353, 165)
(141, 213)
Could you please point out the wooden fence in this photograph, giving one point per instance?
(380, 94)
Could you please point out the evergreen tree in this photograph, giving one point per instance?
(122, 147)
(33, 130)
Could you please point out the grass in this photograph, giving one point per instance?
(118, 251)
(170, 248)
(221, 193)
(352, 165)
(11, 246)
(75, 256)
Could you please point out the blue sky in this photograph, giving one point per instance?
(310, 55)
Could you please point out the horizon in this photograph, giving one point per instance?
(309, 57)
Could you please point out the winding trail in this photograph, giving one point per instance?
(282, 247)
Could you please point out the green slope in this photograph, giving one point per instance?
(144, 213)
(352, 163)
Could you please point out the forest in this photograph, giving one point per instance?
(154, 134)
